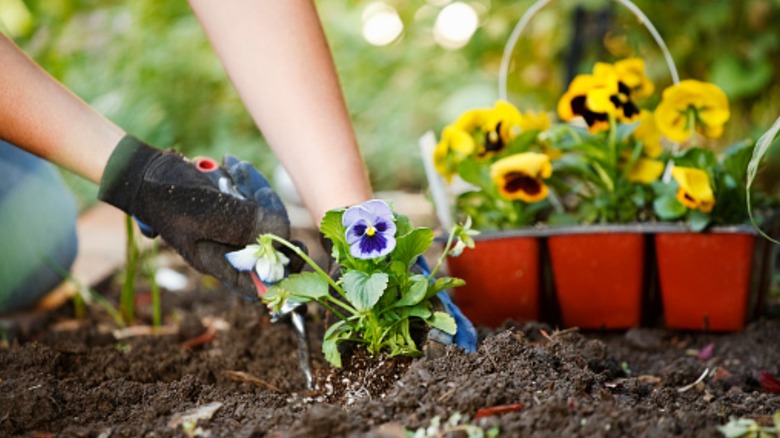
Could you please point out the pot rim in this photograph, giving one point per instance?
(634, 228)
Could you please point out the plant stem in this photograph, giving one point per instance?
(127, 297)
(156, 302)
(79, 306)
(444, 253)
(308, 261)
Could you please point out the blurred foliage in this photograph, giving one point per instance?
(148, 66)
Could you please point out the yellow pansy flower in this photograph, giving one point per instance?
(648, 133)
(532, 121)
(618, 103)
(455, 145)
(597, 96)
(702, 103)
(631, 72)
(645, 171)
(500, 126)
(575, 101)
(695, 190)
(520, 176)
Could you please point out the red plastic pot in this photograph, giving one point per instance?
(502, 279)
(705, 279)
(599, 278)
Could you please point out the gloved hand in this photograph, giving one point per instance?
(200, 216)
(466, 335)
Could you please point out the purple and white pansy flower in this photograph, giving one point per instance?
(370, 229)
(266, 261)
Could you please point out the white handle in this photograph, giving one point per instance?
(503, 72)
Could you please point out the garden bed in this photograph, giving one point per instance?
(70, 377)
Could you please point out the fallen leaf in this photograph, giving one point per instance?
(204, 412)
(706, 353)
(647, 378)
(240, 376)
(145, 330)
(496, 410)
(769, 382)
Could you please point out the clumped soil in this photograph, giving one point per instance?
(221, 368)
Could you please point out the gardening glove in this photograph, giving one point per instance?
(466, 335)
(202, 216)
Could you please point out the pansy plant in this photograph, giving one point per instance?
(611, 161)
(378, 299)
(501, 153)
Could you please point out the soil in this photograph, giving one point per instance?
(221, 368)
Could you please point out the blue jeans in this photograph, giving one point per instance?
(37, 228)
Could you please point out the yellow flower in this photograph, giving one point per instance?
(501, 125)
(531, 121)
(631, 72)
(645, 171)
(695, 190)
(520, 176)
(597, 96)
(620, 100)
(648, 133)
(702, 103)
(472, 119)
(455, 145)
(575, 102)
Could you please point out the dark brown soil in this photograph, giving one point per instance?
(76, 378)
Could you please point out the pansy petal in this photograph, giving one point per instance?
(244, 259)
(356, 231)
(378, 208)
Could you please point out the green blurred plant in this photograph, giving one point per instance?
(139, 62)
(749, 428)
(456, 424)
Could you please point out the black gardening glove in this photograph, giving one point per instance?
(200, 214)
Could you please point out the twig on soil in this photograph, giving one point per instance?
(500, 409)
(202, 339)
(555, 334)
(689, 386)
(145, 330)
(241, 376)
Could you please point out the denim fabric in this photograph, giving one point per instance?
(37, 228)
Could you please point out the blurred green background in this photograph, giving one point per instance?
(147, 65)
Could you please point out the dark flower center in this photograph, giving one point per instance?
(493, 140)
(375, 243)
(519, 181)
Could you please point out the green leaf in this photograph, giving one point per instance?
(410, 246)
(444, 322)
(521, 143)
(418, 311)
(308, 285)
(474, 173)
(402, 224)
(669, 208)
(416, 292)
(762, 147)
(443, 283)
(364, 290)
(735, 160)
(330, 343)
(698, 220)
(332, 229)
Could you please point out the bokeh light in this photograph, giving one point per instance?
(381, 24)
(455, 25)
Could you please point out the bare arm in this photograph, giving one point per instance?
(278, 59)
(40, 115)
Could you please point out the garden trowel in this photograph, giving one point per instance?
(295, 311)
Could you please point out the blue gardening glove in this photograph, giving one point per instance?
(202, 214)
(466, 335)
